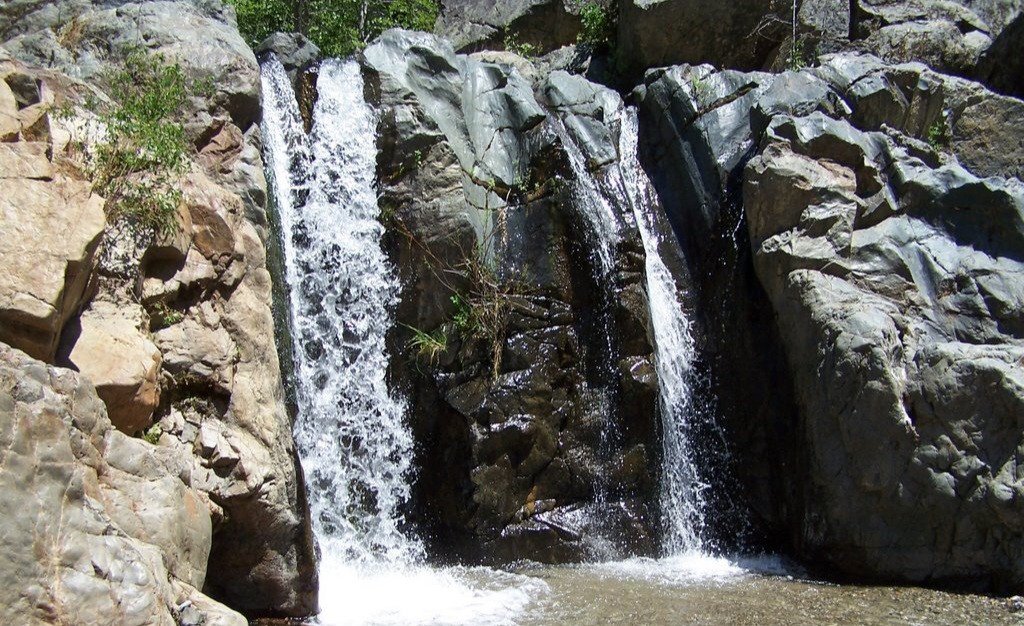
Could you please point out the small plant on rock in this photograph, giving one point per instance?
(797, 55)
(522, 48)
(937, 136)
(152, 434)
(597, 27)
(138, 164)
(428, 346)
(700, 89)
(163, 316)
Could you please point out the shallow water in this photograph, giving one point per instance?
(689, 589)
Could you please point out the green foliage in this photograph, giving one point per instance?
(482, 311)
(137, 165)
(337, 27)
(258, 19)
(936, 136)
(428, 346)
(797, 55)
(163, 316)
(598, 27)
(524, 49)
(152, 434)
(700, 89)
(463, 317)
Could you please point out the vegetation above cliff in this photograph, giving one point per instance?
(143, 151)
(337, 27)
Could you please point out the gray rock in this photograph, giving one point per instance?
(85, 39)
(1001, 66)
(981, 128)
(476, 24)
(890, 270)
(905, 316)
(738, 35)
(109, 532)
(948, 36)
(293, 50)
(511, 434)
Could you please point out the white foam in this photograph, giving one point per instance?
(379, 595)
(692, 568)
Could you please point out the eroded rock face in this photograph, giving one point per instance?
(736, 35)
(111, 531)
(890, 270)
(512, 420)
(45, 277)
(910, 304)
(195, 365)
(112, 348)
(543, 24)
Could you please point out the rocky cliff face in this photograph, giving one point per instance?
(109, 532)
(173, 331)
(515, 409)
(850, 232)
(892, 270)
(850, 236)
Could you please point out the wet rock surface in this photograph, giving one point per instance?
(892, 270)
(513, 412)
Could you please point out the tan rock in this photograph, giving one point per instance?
(199, 349)
(25, 160)
(10, 126)
(35, 123)
(154, 505)
(91, 542)
(51, 231)
(222, 151)
(197, 273)
(119, 358)
(211, 207)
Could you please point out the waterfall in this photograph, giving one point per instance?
(351, 434)
(603, 236)
(625, 185)
(682, 491)
(595, 210)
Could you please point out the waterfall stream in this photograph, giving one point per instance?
(356, 447)
(625, 185)
(682, 492)
(351, 431)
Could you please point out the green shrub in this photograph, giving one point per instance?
(797, 54)
(937, 136)
(597, 25)
(138, 164)
(524, 49)
(257, 19)
(162, 316)
(337, 27)
(152, 434)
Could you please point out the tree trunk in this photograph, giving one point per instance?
(300, 16)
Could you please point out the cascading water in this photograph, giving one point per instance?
(356, 447)
(595, 209)
(682, 492)
(682, 500)
(603, 235)
(351, 433)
